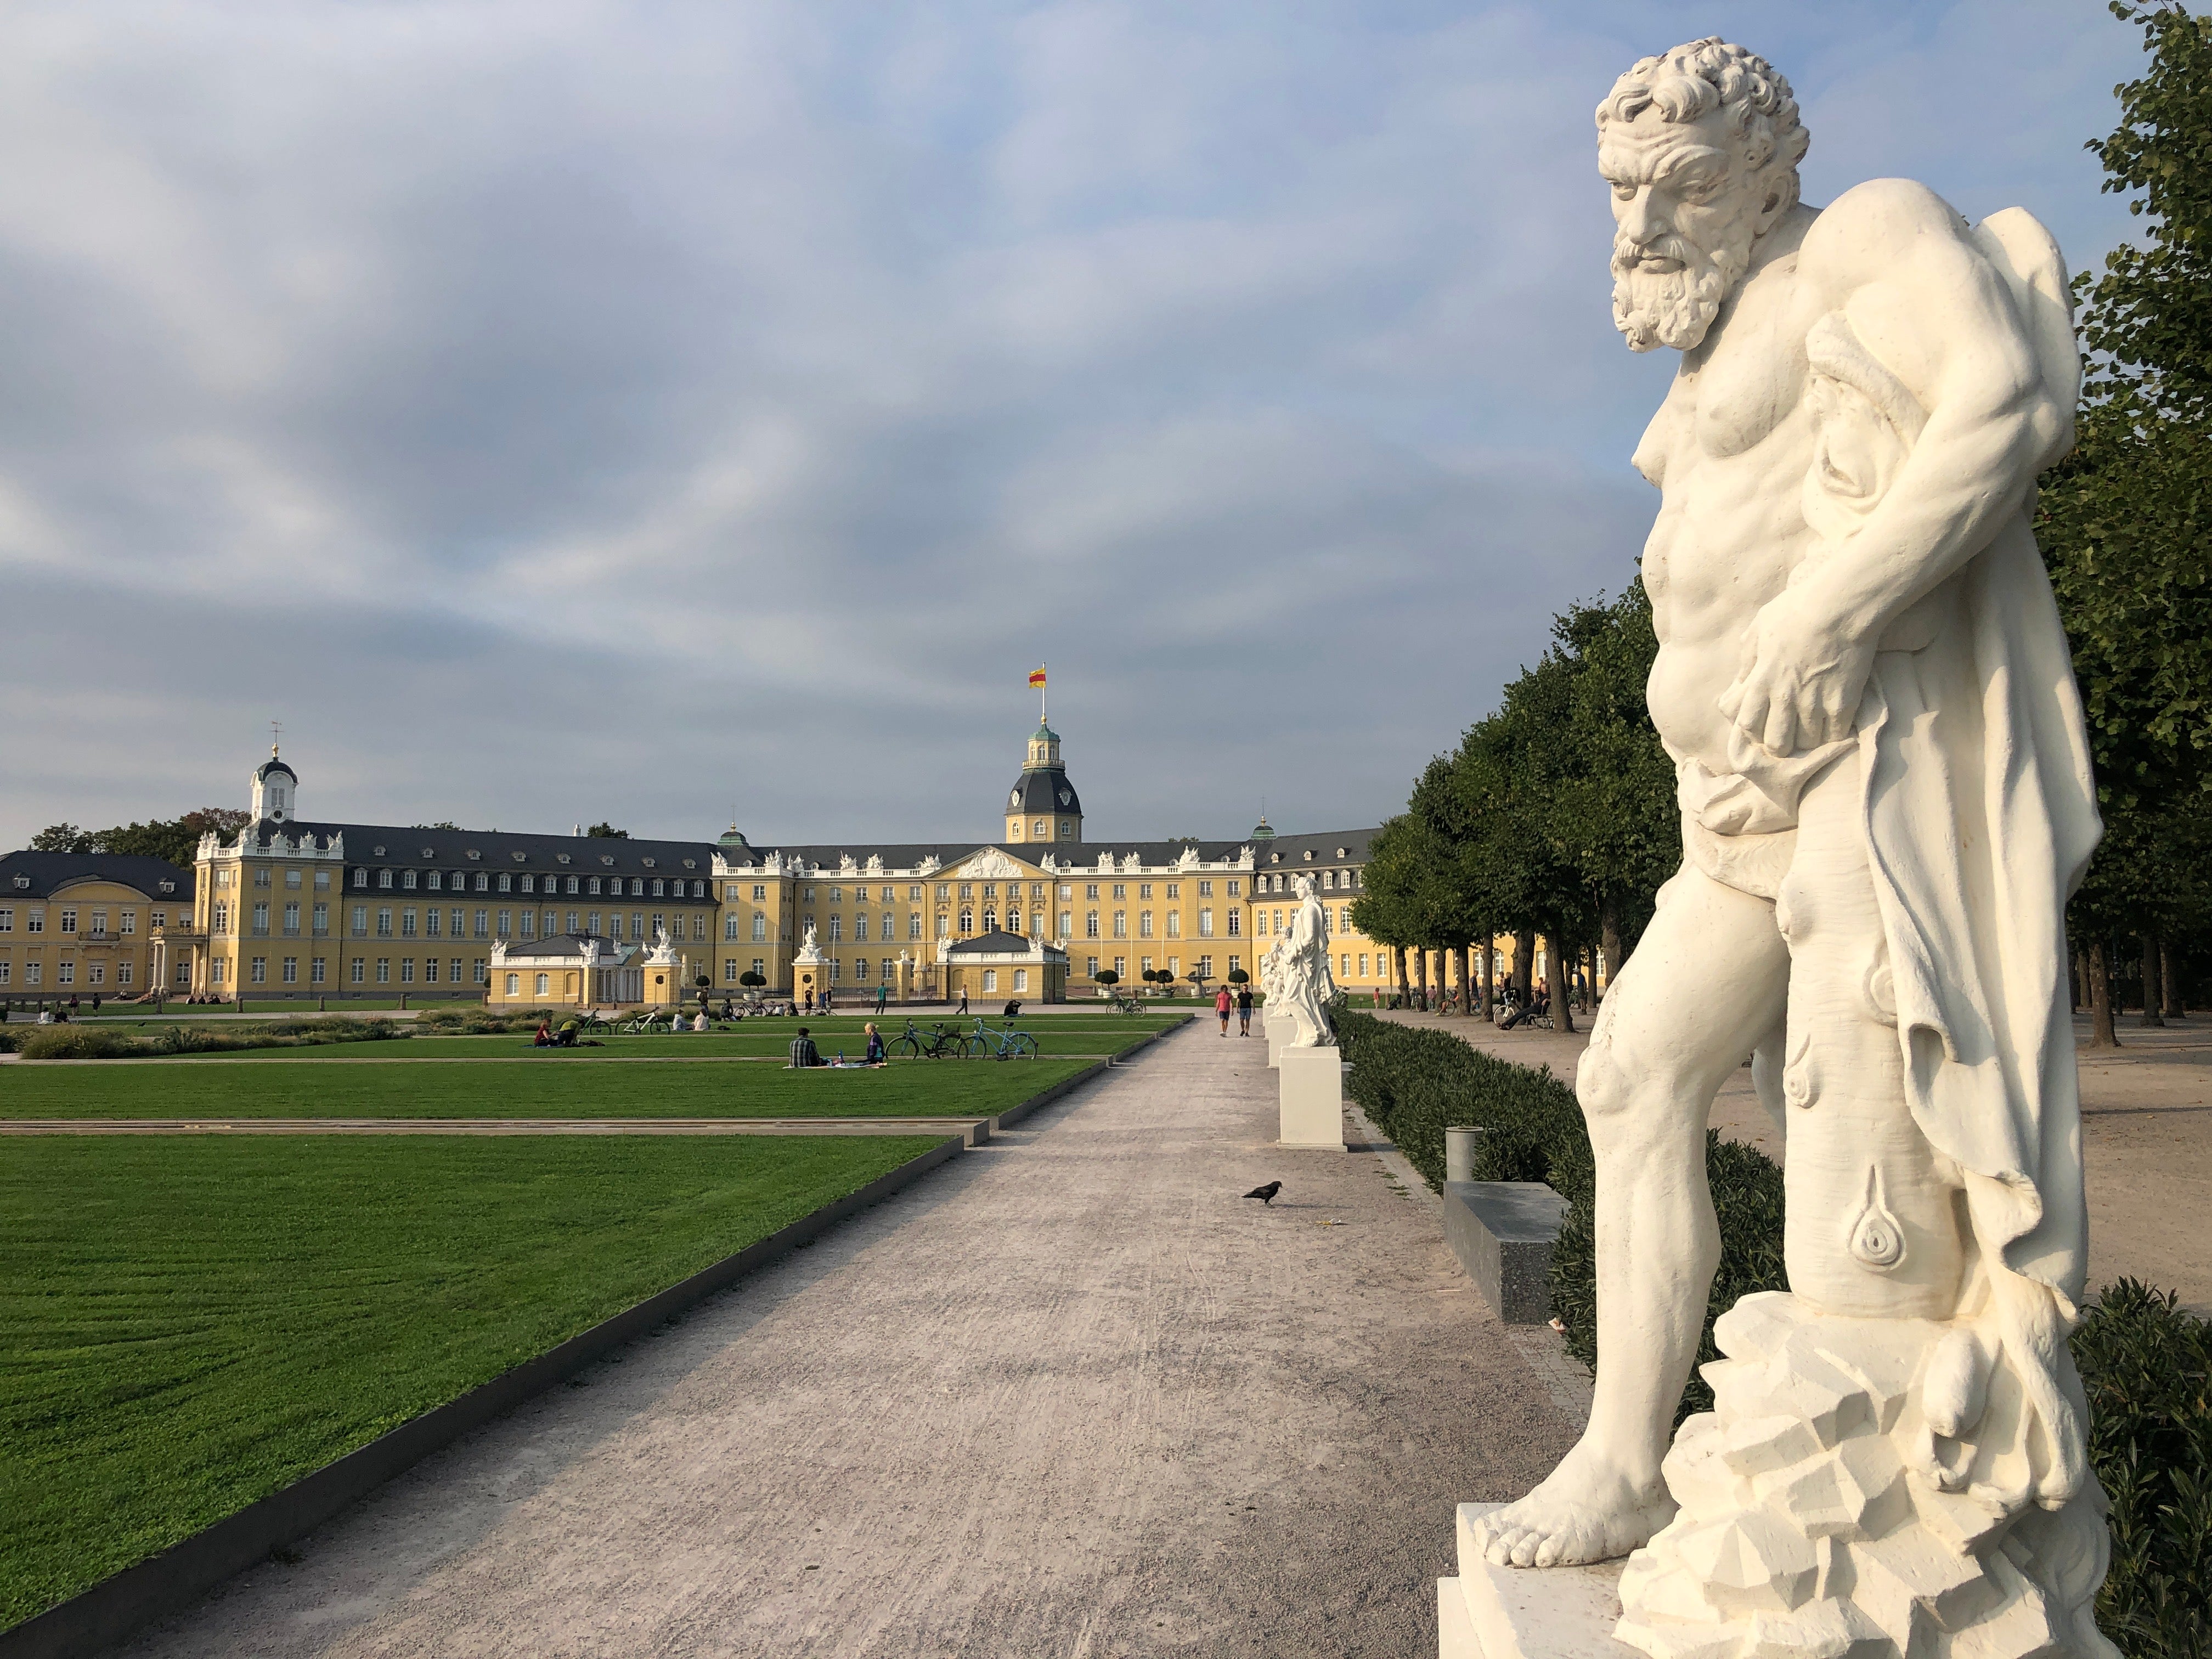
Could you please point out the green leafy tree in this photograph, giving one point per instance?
(605, 831)
(2125, 521)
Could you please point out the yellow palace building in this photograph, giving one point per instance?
(297, 906)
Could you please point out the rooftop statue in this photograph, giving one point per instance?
(1886, 804)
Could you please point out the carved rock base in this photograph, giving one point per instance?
(1813, 1516)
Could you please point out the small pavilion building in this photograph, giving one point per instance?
(1002, 964)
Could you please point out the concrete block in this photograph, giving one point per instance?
(1312, 1097)
(1502, 1233)
(1526, 1613)
(1280, 1028)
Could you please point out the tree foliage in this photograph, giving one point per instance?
(1553, 815)
(2125, 521)
(177, 839)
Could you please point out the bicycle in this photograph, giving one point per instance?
(1008, 1044)
(1130, 1005)
(940, 1043)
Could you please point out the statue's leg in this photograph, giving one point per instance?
(1706, 983)
(1875, 1217)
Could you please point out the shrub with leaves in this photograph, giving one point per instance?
(2148, 1367)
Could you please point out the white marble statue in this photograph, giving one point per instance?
(1302, 984)
(1886, 804)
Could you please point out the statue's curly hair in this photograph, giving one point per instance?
(1689, 81)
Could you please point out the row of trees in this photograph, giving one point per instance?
(177, 839)
(1556, 815)
(1553, 817)
(2125, 523)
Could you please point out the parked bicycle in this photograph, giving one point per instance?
(1008, 1044)
(1128, 1005)
(939, 1043)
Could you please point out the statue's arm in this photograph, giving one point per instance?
(1899, 265)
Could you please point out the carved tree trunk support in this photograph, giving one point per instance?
(2153, 998)
(1824, 1512)
(2101, 1033)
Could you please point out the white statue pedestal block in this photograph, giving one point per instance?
(1526, 1613)
(1312, 1097)
(1280, 1029)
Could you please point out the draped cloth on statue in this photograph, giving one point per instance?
(1980, 816)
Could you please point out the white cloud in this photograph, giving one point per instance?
(559, 410)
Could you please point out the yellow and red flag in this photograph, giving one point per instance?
(1036, 677)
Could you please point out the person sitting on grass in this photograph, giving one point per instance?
(544, 1037)
(803, 1054)
(876, 1054)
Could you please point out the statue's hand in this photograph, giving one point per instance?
(1803, 676)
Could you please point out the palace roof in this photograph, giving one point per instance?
(41, 875)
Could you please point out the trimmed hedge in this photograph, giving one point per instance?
(1417, 1081)
(2147, 1366)
(2146, 1363)
(75, 1041)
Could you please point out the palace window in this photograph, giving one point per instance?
(860, 927)
(430, 969)
(836, 928)
(1090, 889)
(529, 924)
(68, 920)
(1347, 969)
(360, 877)
(357, 970)
(1090, 924)
(261, 876)
(291, 880)
(529, 885)
(944, 925)
(322, 881)
(1344, 918)
(291, 970)
(1235, 923)
(1014, 922)
(506, 882)
(407, 880)
(572, 884)
(1037, 828)
(545, 984)
(260, 974)
(322, 920)
(1232, 889)
(729, 928)
(1091, 966)
(760, 966)
(433, 881)
(484, 923)
(760, 892)
(967, 923)
(990, 919)
(315, 971)
(407, 970)
(1121, 924)
(407, 922)
(7, 921)
(760, 929)
(292, 920)
(990, 980)
(34, 921)
(659, 887)
(1143, 924)
(572, 919)
(260, 920)
(729, 970)
(1204, 968)
(514, 985)
(1143, 889)
(1174, 924)
(1121, 890)
(97, 972)
(1068, 924)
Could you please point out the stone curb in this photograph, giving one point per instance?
(112, 1609)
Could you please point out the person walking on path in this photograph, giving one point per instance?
(1222, 1004)
(1244, 1011)
(963, 1000)
(803, 1054)
(883, 995)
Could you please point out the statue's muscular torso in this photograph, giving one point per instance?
(1729, 449)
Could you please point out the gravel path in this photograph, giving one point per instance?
(1071, 1395)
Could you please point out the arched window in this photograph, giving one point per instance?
(990, 920)
(514, 985)
(1013, 919)
(1039, 828)
(967, 923)
(545, 984)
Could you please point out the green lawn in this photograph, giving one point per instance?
(727, 1044)
(187, 1325)
(534, 1085)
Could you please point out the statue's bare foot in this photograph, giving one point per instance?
(1585, 1510)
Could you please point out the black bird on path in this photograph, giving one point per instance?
(1265, 1195)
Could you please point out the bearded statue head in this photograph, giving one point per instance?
(1700, 145)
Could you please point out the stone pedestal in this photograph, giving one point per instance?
(1526, 1613)
(1280, 1029)
(1312, 1097)
(1503, 1231)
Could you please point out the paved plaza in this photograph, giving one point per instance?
(1070, 1395)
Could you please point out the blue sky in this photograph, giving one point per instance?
(554, 411)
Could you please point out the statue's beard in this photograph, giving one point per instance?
(1675, 307)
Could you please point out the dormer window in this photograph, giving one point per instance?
(562, 857)
(517, 857)
(429, 852)
(474, 853)
(690, 864)
(377, 851)
(606, 858)
(647, 863)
